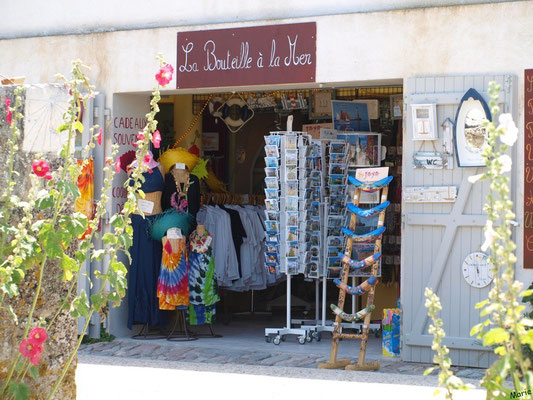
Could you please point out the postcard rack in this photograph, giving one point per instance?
(366, 287)
(287, 196)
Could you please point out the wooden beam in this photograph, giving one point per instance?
(445, 219)
(452, 342)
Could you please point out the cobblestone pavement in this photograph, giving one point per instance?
(187, 352)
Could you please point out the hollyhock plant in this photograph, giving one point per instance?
(510, 131)
(41, 168)
(38, 335)
(164, 76)
(9, 118)
(117, 166)
(156, 139)
(99, 137)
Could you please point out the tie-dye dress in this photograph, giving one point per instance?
(173, 283)
(203, 289)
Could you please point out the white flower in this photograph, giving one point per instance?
(490, 236)
(510, 131)
(474, 178)
(506, 162)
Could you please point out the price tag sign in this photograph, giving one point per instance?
(145, 206)
(174, 233)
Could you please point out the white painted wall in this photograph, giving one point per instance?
(37, 18)
(351, 48)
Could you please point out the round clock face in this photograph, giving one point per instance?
(476, 270)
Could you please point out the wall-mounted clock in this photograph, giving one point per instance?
(476, 270)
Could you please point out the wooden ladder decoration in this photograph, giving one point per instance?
(334, 363)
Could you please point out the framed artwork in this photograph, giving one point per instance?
(350, 117)
(469, 133)
(364, 149)
(320, 107)
(424, 121)
(396, 106)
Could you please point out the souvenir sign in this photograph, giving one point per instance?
(430, 194)
(424, 121)
(429, 160)
(470, 135)
(368, 175)
(476, 270)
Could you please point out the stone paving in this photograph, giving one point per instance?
(188, 352)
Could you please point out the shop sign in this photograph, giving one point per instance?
(259, 55)
(528, 169)
(314, 129)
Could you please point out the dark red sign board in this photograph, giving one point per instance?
(528, 169)
(259, 55)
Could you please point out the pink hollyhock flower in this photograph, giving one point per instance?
(164, 76)
(99, 137)
(48, 177)
(156, 139)
(31, 350)
(9, 118)
(117, 166)
(38, 335)
(147, 158)
(140, 136)
(40, 168)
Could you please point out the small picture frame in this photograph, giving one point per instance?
(424, 121)
(396, 106)
(320, 107)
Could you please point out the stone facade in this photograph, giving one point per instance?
(63, 334)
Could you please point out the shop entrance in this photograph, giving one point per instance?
(234, 144)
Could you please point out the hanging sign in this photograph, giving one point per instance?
(257, 55)
(314, 129)
(429, 160)
(528, 169)
(430, 194)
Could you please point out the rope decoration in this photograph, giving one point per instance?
(189, 129)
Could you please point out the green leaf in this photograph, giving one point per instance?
(62, 127)
(125, 240)
(69, 266)
(109, 238)
(495, 336)
(429, 371)
(480, 305)
(50, 240)
(19, 390)
(76, 224)
(78, 126)
(80, 306)
(117, 277)
(476, 329)
(44, 200)
(17, 275)
(115, 298)
(34, 372)
(98, 254)
(98, 301)
(66, 188)
(500, 350)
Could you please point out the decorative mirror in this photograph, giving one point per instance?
(469, 133)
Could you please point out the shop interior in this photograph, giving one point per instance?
(235, 147)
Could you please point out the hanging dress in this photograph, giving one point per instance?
(145, 262)
(203, 288)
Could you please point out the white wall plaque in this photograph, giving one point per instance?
(430, 194)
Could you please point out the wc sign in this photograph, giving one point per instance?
(429, 160)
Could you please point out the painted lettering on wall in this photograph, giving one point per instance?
(247, 56)
(528, 169)
(125, 130)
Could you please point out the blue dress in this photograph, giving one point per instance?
(145, 263)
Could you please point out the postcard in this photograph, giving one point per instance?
(292, 218)
(336, 179)
(272, 268)
(291, 188)
(271, 172)
(272, 215)
(272, 225)
(272, 140)
(272, 205)
(291, 203)
(272, 247)
(292, 233)
(335, 241)
(337, 158)
(271, 162)
(337, 148)
(271, 151)
(291, 142)
(272, 237)
(271, 182)
(291, 173)
(337, 169)
(271, 257)
(271, 193)
(292, 249)
(291, 157)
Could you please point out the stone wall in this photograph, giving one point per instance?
(63, 334)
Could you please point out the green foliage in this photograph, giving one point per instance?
(505, 329)
(104, 337)
(43, 234)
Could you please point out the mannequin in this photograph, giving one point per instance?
(145, 252)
